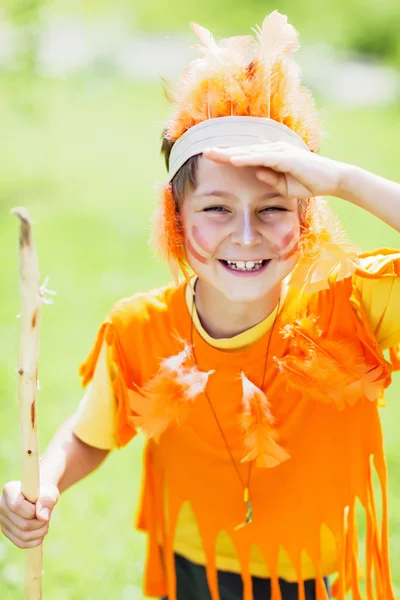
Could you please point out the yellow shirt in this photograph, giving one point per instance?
(95, 423)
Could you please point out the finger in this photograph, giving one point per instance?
(26, 534)
(18, 542)
(20, 522)
(226, 154)
(250, 149)
(265, 159)
(46, 502)
(217, 155)
(274, 179)
(20, 506)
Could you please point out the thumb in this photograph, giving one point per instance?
(47, 500)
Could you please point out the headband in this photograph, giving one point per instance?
(225, 132)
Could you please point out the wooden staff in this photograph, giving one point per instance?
(31, 302)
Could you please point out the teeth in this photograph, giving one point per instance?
(248, 265)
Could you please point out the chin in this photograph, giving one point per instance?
(245, 296)
(253, 289)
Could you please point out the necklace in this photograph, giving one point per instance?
(244, 484)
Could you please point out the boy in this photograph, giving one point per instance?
(257, 381)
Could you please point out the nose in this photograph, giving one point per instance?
(246, 231)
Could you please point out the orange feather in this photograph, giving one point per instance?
(167, 397)
(334, 369)
(260, 435)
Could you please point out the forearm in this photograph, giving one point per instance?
(67, 460)
(377, 195)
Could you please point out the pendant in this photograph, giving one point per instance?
(249, 511)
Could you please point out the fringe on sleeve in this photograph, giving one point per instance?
(118, 371)
(394, 354)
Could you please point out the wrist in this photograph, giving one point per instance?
(346, 181)
(49, 475)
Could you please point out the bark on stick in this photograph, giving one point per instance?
(31, 302)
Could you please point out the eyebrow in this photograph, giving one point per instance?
(222, 194)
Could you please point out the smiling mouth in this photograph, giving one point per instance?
(244, 266)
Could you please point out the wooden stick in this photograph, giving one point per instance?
(31, 302)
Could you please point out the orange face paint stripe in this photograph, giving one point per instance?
(283, 244)
(194, 253)
(286, 239)
(200, 240)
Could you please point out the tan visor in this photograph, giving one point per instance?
(224, 132)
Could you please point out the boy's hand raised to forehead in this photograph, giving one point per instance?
(291, 171)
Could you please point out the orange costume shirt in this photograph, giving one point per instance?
(315, 435)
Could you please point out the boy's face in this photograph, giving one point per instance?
(240, 236)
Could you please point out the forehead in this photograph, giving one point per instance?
(225, 177)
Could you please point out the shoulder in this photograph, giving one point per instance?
(144, 307)
(377, 281)
(379, 263)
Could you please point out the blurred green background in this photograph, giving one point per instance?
(81, 152)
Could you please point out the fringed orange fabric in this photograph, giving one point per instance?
(151, 519)
(276, 593)
(246, 577)
(322, 593)
(352, 571)
(87, 368)
(394, 354)
(211, 567)
(329, 443)
(257, 421)
(125, 426)
(381, 469)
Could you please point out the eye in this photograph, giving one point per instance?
(269, 209)
(216, 208)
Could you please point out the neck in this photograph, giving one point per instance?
(223, 319)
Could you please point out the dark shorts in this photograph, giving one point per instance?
(191, 584)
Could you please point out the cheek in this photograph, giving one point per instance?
(191, 250)
(285, 237)
(203, 240)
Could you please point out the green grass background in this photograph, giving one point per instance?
(83, 156)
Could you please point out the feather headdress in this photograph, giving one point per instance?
(253, 76)
(245, 76)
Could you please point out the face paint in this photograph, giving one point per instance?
(194, 252)
(285, 247)
(200, 240)
(197, 246)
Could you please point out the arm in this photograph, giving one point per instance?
(377, 195)
(67, 459)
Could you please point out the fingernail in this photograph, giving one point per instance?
(45, 513)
